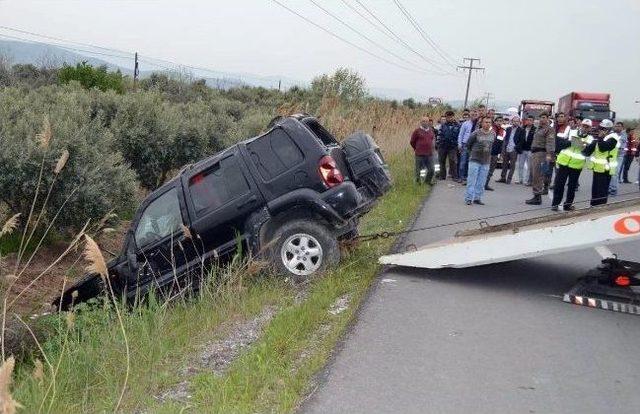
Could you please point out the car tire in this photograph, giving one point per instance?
(302, 249)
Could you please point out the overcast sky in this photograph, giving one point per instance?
(540, 49)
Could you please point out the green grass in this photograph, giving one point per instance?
(272, 375)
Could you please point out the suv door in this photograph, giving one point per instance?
(158, 238)
(220, 196)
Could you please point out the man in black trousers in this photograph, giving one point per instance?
(513, 136)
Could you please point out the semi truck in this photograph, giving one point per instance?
(532, 107)
(587, 105)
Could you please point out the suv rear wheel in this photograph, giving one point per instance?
(303, 249)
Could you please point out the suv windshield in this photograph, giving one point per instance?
(160, 219)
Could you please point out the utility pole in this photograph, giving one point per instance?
(136, 72)
(470, 68)
(487, 96)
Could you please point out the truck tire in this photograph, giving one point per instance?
(303, 248)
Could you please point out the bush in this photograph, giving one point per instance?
(157, 137)
(344, 84)
(95, 180)
(90, 77)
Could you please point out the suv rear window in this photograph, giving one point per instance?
(274, 154)
(320, 131)
(218, 185)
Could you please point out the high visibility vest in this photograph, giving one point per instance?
(572, 156)
(605, 161)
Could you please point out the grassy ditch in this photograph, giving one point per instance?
(84, 369)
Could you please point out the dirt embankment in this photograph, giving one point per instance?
(43, 279)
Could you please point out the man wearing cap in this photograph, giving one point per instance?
(543, 147)
(570, 162)
(603, 160)
(422, 142)
(514, 134)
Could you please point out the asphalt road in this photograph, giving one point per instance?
(491, 339)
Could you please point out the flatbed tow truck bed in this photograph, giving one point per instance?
(615, 285)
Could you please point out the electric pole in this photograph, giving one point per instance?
(136, 72)
(470, 68)
(488, 96)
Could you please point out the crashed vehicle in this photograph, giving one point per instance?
(289, 196)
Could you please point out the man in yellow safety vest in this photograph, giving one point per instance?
(570, 162)
(603, 160)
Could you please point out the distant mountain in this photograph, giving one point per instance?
(50, 54)
(44, 54)
(500, 106)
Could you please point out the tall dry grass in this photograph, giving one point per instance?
(391, 126)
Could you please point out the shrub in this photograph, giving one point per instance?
(157, 137)
(95, 179)
(344, 84)
(90, 77)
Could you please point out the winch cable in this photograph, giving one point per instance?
(387, 234)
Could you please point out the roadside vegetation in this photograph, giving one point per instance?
(79, 156)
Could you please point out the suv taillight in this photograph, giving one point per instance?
(329, 171)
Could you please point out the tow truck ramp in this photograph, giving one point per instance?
(615, 285)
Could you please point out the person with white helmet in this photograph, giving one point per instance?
(603, 161)
(570, 162)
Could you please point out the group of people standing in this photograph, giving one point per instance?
(535, 149)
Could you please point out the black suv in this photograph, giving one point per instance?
(288, 195)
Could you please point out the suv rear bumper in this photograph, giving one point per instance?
(344, 199)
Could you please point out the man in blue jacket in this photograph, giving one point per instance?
(447, 144)
(466, 128)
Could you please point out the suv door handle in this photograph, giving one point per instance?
(250, 201)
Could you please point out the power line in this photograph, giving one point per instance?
(364, 36)
(343, 39)
(13, 29)
(399, 39)
(68, 48)
(368, 20)
(470, 68)
(130, 55)
(424, 34)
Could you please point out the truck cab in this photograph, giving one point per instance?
(533, 107)
(587, 105)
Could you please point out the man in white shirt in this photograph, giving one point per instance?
(513, 135)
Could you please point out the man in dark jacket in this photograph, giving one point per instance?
(496, 149)
(422, 142)
(448, 146)
(523, 148)
(513, 135)
(543, 148)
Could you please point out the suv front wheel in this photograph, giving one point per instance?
(303, 249)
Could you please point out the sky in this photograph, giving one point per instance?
(531, 50)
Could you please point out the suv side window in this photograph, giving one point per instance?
(218, 185)
(274, 154)
(160, 219)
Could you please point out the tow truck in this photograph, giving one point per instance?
(614, 285)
